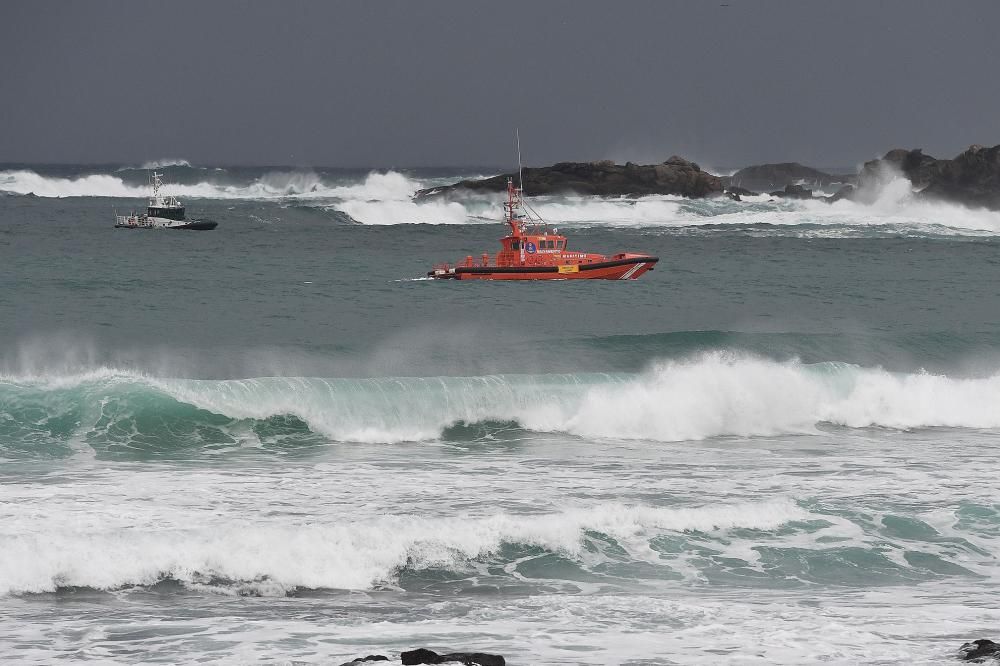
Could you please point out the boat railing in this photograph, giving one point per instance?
(132, 221)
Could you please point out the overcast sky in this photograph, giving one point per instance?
(403, 83)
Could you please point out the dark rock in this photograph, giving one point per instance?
(979, 650)
(971, 178)
(419, 656)
(371, 657)
(793, 192)
(846, 192)
(770, 176)
(604, 178)
(424, 656)
(737, 193)
(916, 166)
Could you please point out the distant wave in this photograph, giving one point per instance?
(272, 185)
(159, 164)
(386, 198)
(711, 395)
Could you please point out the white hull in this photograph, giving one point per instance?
(147, 222)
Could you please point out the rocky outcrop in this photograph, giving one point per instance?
(605, 178)
(793, 192)
(737, 193)
(424, 656)
(767, 177)
(972, 178)
(980, 650)
(846, 192)
(369, 658)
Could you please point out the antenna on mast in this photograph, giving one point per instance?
(520, 178)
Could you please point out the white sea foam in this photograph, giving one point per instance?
(168, 162)
(390, 186)
(348, 555)
(404, 212)
(99, 185)
(642, 211)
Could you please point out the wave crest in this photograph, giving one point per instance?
(712, 395)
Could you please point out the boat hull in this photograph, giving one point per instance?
(164, 223)
(618, 269)
(196, 225)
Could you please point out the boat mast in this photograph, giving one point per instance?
(511, 209)
(520, 176)
(512, 206)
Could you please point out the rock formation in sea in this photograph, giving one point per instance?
(604, 178)
(767, 177)
(424, 656)
(793, 192)
(971, 178)
(979, 651)
(362, 660)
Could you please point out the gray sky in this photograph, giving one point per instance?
(394, 83)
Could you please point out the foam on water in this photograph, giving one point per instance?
(271, 185)
(167, 162)
(348, 555)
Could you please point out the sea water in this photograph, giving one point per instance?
(278, 442)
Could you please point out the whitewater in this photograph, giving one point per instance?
(387, 198)
(275, 443)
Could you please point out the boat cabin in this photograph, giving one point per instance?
(162, 205)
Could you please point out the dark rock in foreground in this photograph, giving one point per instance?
(605, 178)
(769, 176)
(793, 192)
(979, 650)
(424, 656)
(971, 178)
(737, 193)
(369, 658)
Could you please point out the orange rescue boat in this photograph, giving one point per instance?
(532, 252)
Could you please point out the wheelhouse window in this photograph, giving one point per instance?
(515, 245)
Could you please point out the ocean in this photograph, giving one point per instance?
(278, 442)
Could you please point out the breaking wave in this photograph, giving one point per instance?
(271, 558)
(160, 164)
(386, 198)
(270, 185)
(712, 395)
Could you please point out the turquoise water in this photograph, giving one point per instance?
(276, 442)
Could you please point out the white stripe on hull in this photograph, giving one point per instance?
(629, 272)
